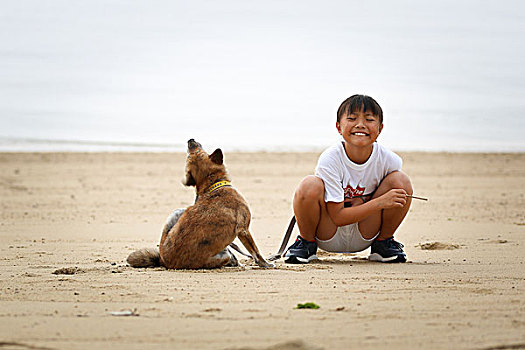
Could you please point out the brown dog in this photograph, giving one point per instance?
(198, 237)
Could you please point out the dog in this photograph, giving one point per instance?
(198, 237)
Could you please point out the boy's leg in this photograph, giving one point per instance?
(385, 248)
(310, 210)
(312, 219)
(387, 221)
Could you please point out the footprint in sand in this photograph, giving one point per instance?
(438, 246)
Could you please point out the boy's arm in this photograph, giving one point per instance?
(342, 216)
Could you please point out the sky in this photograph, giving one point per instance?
(269, 75)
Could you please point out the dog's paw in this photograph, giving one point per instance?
(266, 264)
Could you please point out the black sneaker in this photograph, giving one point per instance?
(301, 252)
(387, 251)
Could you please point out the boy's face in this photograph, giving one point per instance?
(359, 129)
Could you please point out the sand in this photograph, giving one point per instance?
(69, 220)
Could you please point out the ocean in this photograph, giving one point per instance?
(115, 75)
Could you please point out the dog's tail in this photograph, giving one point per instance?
(145, 257)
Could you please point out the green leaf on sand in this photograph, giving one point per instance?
(308, 306)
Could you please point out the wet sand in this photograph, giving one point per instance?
(80, 214)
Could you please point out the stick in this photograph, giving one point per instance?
(408, 195)
(414, 197)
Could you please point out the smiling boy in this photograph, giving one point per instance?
(358, 195)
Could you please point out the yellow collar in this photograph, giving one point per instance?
(218, 185)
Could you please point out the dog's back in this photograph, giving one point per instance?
(205, 229)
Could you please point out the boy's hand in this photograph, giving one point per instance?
(396, 198)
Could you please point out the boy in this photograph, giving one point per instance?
(358, 195)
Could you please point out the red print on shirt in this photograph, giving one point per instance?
(351, 192)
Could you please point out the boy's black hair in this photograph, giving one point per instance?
(357, 102)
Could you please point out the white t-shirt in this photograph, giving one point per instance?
(345, 179)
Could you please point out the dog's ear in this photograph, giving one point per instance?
(217, 156)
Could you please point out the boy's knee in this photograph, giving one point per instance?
(310, 188)
(401, 180)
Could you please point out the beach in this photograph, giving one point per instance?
(69, 220)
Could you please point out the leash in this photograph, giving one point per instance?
(279, 253)
(284, 243)
(239, 250)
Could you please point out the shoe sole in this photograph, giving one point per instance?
(390, 259)
(299, 260)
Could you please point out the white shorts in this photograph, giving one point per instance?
(347, 239)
